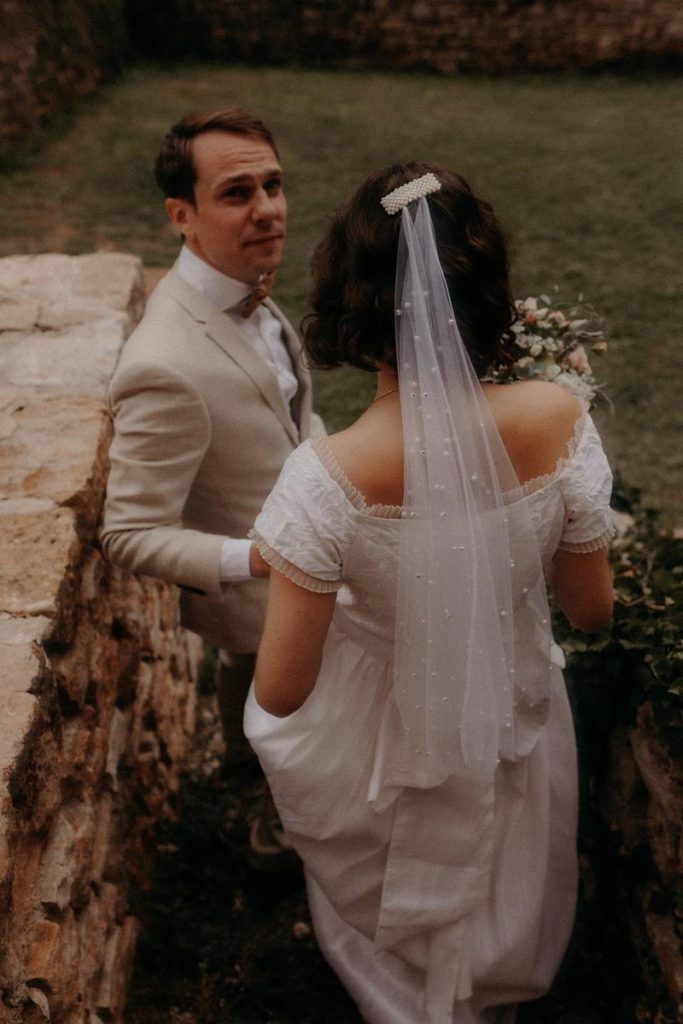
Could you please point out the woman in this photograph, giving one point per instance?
(408, 705)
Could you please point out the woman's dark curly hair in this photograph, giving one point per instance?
(354, 268)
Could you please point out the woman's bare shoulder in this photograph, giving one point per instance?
(370, 455)
(533, 403)
(537, 421)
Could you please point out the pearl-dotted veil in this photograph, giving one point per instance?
(471, 670)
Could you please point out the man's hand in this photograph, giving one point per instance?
(258, 567)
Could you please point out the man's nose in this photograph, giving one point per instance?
(265, 206)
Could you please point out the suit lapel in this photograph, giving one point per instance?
(234, 344)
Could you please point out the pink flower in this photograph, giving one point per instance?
(578, 360)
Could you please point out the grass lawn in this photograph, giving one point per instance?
(584, 171)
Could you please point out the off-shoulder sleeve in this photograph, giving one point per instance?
(586, 486)
(305, 526)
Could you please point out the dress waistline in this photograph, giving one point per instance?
(372, 643)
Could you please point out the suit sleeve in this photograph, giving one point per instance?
(161, 433)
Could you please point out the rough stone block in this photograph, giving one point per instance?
(36, 789)
(43, 362)
(145, 682)
(94, 927)
(72, 669)
(93, 576)
(18, 715)
(43, 946)
(103, 816)
(36, 552)
(22, 668)
(24, 871)
(118, 962)
(119, 732)
(64, 979)
(65, 865)
(40, 1000)
(38, 628)
(71, 290)
(58, 454)
(84, 751)
(17, 316)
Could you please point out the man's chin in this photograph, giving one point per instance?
(268, 266)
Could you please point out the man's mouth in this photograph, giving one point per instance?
(263, 239)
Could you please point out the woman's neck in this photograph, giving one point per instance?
(387, 382)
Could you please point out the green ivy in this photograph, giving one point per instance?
(640, 656)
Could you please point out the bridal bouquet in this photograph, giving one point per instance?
(550, 344)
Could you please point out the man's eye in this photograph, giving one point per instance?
(273, 186)
(236, 192)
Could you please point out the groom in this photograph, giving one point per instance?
(209, 398)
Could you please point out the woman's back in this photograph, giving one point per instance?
(536, 421)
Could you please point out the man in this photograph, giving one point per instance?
(209, 398)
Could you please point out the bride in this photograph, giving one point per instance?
(408, 706)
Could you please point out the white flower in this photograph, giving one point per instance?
(535, 349)
(581, 386)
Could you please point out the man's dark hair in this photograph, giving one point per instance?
(174, 168)
(354, 270)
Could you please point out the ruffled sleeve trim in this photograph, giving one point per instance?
(588, 546)
(292, 572)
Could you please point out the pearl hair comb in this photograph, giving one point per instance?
(404, 194)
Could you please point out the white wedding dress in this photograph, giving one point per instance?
(447, 905)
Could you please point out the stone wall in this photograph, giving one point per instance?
(447, 36)
(51, 52)
(96, 679)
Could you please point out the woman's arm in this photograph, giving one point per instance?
(290, 653)
(583, 587)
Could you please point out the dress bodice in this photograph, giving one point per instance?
(318, 529)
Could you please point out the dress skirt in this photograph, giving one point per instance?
(483, 885)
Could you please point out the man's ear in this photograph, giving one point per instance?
(180, 213)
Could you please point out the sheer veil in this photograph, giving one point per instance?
(472, 661)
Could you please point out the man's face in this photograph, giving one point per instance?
(238, 219)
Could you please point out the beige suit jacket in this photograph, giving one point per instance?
(201, 431)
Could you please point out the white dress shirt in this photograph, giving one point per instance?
(264, 333)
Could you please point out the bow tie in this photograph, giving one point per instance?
(257, 294)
